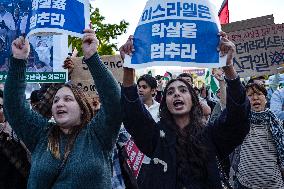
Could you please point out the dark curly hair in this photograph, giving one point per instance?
(151, 81)
(186, 75)
(256, 88)
(190, 152)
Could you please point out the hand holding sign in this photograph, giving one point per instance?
(21, 48)
(127, 48)
(219, 75)
(128, 73)
(226, 47)
(90, 43)
(68, 63)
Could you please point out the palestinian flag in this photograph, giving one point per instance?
(207, 78)
(213, 84)
(168, 76)
(211, 81)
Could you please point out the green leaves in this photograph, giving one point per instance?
(105, 33)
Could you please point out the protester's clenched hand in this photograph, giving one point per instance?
(90, 43)
(127, 48)
(21, 48)
(219, 75)
(128, 73)
(226, 47)
(68, 64)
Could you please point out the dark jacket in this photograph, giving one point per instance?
(14, 164)
(158, 140)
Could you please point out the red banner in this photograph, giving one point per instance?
(135, 157)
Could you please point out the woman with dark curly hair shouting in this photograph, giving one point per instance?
(184, 150)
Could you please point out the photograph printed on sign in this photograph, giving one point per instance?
(40, 60)
(13, 19)
(45, 57)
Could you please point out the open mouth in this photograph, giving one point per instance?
(256, 104)
(178, 103)
(61, 112)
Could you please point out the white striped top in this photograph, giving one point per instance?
(258, 166)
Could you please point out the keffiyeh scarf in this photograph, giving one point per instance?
(275, 127)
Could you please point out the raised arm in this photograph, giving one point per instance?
(222, 84)
(136, 119)
(107, 122)
(233, 124)
(27, 124)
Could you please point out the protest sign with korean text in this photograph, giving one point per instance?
(177, 33)
(259, 51)
(59, 16)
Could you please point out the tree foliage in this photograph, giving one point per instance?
(105, 33)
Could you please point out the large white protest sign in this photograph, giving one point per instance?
(59, 16)
(177, 33)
